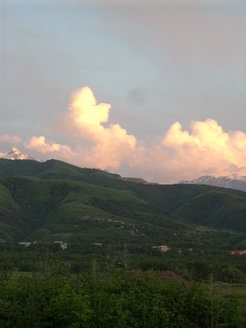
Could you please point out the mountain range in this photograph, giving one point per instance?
(54, 200)
(231, 181)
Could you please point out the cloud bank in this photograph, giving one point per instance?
(40, 147)
(204, 149)
(110, 145)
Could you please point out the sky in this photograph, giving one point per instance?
(147, 88)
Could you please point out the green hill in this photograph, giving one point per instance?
(197, 204)
(34, 208)
(54, 169)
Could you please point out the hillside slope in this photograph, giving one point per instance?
(235, 181)
(34, 208)
(197, 204)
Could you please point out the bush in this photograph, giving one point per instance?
(56, 298)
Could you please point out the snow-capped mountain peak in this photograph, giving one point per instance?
(233, 181)
(14, 153)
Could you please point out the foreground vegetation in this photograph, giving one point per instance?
(191, 266)
(53, 297)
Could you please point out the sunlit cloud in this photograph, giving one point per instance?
(110, 145)
(182, 155)
(40, 145)
(205, 148)
(207, 137)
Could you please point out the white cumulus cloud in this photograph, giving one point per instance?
(39, 144)
(206, 148)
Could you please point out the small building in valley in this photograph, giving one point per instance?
(238, 252)
(162, 248)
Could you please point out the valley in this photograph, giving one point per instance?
(99, 215)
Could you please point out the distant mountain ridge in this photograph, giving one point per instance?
(233, 181)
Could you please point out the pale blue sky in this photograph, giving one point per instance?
(154, 64)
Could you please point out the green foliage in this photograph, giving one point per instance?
(231, 274)
(216, 208)
(111, 298)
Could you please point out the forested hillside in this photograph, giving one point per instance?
(203, 205)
